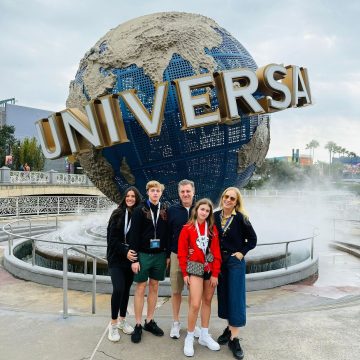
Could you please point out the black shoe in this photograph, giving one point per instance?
(234, 346)
(136, 335)
(224, 337)
(152, 327)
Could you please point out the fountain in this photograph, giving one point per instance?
(284, 253)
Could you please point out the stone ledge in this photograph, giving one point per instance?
(255, 281)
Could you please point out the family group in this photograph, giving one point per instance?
(205, 250)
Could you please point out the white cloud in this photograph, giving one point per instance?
(43, 41)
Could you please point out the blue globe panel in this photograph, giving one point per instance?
(207, 155)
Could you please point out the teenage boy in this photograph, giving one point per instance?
(149, 237)
(178, 215)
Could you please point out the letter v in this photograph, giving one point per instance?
(151, 123)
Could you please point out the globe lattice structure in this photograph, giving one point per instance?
(208, 155)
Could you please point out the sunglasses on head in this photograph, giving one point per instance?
(229, 197)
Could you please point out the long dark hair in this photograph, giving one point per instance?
(118, 213)
(209, 219)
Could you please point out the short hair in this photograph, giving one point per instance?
(154, 183)
(186, 182)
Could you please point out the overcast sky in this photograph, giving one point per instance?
(42, 42)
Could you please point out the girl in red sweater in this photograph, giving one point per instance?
(199, 248)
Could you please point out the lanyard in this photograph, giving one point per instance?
(153, 218)
(227, 224)
(127, 224)
(202, 240)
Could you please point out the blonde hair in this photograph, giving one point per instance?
(210, 219)
(239, 206)
(154, 183)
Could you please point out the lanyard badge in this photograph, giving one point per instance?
(202, 241)
(155, 243)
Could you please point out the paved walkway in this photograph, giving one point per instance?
(314, 321)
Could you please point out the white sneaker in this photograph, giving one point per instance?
(175, 330)
(189, 346)
(125, 327)
(209, 342)
(113, 334)
(197, 332)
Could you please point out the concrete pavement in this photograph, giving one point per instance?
(312, 320)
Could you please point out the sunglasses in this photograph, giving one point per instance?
(229, 197)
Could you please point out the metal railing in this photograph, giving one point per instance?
(74, 247)
(65, 277)
(286, 243)
(40, 205)
(45, 178)
(12, 235)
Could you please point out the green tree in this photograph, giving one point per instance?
(28, 151)
(331, 147)
(352, 154)
(7, 140)
(312, 145)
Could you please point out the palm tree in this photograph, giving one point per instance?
(313, 144)
(331, 146)
(337, 150)
(352, 154)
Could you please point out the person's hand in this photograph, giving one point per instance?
(191, 251)
(187, 280)
(135, 267)
(238, 255)
(213, 281)
(132, 255)
(167, 263)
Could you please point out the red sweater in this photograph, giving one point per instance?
(187, 240)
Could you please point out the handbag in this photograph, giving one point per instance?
(209, 256)
(195, 268)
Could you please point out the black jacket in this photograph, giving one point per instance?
(142, 229)
(240, 235)
(116, 249)
(177, 218)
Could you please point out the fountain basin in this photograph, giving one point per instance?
(15, 264)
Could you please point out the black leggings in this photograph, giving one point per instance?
(121, 279)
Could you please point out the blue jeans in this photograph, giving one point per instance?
(231, 292)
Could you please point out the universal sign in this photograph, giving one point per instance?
(70, 131)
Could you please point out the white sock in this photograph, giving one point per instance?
(204, 331)
(190, 334)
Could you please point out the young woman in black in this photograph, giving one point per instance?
(119, 262)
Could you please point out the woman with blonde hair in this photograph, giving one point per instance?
(200, 262)
(237, 237)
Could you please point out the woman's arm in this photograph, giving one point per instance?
(183, 249)
(215, 249)
(249, 234)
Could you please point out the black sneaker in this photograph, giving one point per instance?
(234, 346)
(152, 327)
(136, 335)
(224, 337)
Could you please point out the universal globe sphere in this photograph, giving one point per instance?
(164, 47)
